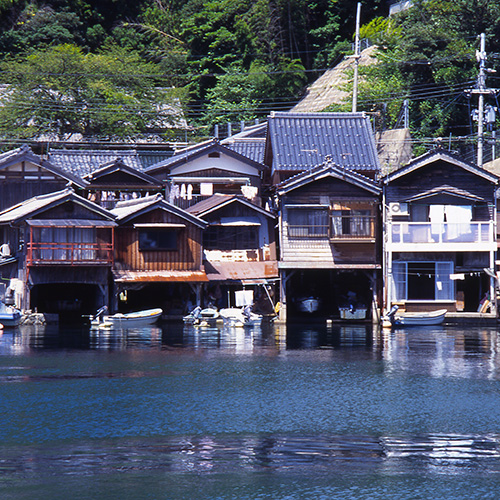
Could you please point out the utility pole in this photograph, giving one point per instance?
(356, 61)
(482, 91)
(481, 85)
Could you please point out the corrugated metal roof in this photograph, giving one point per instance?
(237, 271)
(33, 205)
(70, 223)
(124, 276)
(301, 141)
(128, 210)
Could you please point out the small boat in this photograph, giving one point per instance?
(414, 319)
(125, 320)
(9, 316)
(202, 317)
(234, 316)
(308, 304)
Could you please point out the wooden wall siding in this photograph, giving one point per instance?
(322, 252)
(436, 175)
(231, 210)
(315, 192)
(120, 179)
(187, 257)
(87, 275)
(70, 210)
(17, 191)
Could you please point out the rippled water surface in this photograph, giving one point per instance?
(309, 412)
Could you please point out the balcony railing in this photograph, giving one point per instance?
(355, 227)
(74, 254)
(446, 232)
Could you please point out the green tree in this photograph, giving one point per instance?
(63, 91)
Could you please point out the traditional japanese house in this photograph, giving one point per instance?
(209, 168)
(440, 241)
(117, 181)
(24, 175)
(330, 250)
(239, 251)
(159, 256)
(301, 141)
(61, 253)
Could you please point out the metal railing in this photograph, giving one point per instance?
(446, 232)
(345, 227)
(69, 253)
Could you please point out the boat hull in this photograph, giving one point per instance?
(10, 319)
(129, 320)
(421, 319)
(235, 317)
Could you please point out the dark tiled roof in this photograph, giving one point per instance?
(301, 141)
(251, 142)
(253, 149)
(83, 162)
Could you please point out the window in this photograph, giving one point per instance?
(354, 223)
(308, 223)
(158, 239)
(231, 238)
(422, 281)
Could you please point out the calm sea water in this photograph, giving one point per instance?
(303, 413)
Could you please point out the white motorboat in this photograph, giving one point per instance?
(308, 304)
(234, 316)
(428, 318)
(202, 317)
(9, 316)
(125, 320)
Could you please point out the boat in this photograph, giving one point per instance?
(202, 317)
(125, 320)
(308, 304)
(9, 316)
(234, 316)
(413, 319)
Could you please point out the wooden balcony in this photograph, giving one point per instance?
(432, 237)
(69, 254)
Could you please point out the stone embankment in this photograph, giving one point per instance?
(35, 318)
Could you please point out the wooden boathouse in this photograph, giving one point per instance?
(330, 250)
(159, 256)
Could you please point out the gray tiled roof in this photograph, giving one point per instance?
(253, 149)
(84, 162)
(251, 142)
(300, 141)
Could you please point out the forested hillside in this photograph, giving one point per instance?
(112, 69)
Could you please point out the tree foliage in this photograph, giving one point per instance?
(63, 91)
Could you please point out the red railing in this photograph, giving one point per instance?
(74, 254)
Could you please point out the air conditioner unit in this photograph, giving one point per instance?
(398, 208)
(4, 250)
